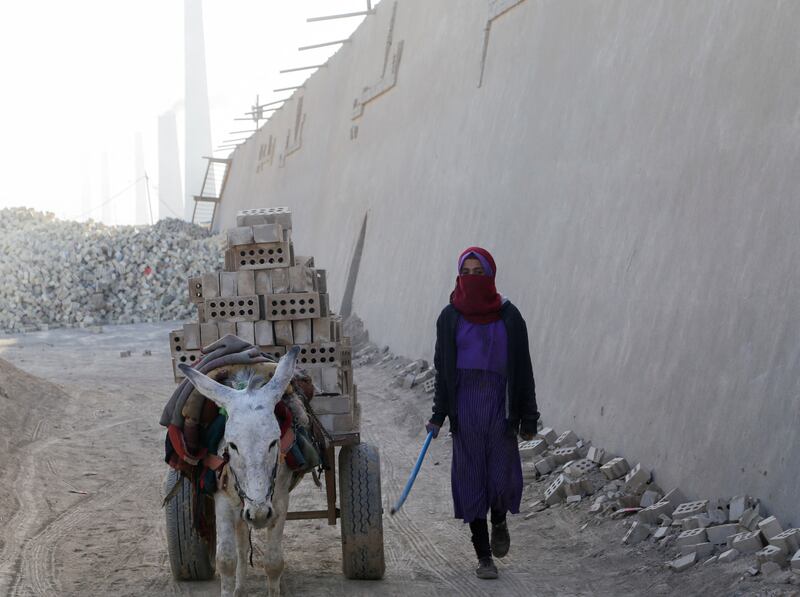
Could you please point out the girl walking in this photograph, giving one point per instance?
(485, 386)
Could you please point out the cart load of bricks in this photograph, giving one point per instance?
(274, 299)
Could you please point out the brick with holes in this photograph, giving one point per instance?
(770, 527)
(564, 455)
(568, 438)
(532, 448)
(651, 514)
(303, 305)
(636, 479)
(789, 540)
(688, 509)
(187, 357)
(261, 256)
(579, 468)
(771, 553)
(596, 455)
(692, 537)
(615, 468)
(176, 343)
(555, 492)
(321, 355)
(549, 435)
(265, 215)
(637, 533)
(237, 308)
(749, 542)
(196, 289)
(274, 351)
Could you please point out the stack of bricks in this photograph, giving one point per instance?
(273, 299)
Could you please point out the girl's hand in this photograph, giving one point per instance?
(432, 428)
(527, 430)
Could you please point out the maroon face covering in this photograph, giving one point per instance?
(476, 297)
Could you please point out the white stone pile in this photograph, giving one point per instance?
(708, 531)
(58, 273)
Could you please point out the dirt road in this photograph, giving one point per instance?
(80, 506)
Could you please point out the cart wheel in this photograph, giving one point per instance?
(361, 512)
(190, 556)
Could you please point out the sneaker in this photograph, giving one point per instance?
(501, 540)
(486, 569)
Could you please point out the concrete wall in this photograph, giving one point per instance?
(634, 168)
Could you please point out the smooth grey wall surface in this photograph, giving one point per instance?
(634, 168)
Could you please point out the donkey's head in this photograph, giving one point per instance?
(252, 434)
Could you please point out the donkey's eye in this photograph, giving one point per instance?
(272, 445)
(233, 446)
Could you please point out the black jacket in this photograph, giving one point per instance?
(520, 389)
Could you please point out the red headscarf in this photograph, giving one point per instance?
(476, 297)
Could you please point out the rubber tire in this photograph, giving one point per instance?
(190, 556)
(361, 512)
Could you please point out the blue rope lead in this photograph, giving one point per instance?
(413, 476)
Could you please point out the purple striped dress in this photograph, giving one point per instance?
(486, 472)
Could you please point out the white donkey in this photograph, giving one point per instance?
(257, 493)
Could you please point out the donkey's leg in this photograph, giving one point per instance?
(273, 559)
(226, 544)
(243, 553)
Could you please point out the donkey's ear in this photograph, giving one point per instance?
(283, 374)
(222, 396)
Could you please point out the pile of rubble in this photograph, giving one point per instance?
(709, 531)
(58, 273)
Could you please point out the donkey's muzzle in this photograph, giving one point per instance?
(258, 514)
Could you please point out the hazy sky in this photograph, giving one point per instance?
(81, 78)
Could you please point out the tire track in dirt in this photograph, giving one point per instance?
(25, 532)
(40, 430)
(429, 555)
(26, 517)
